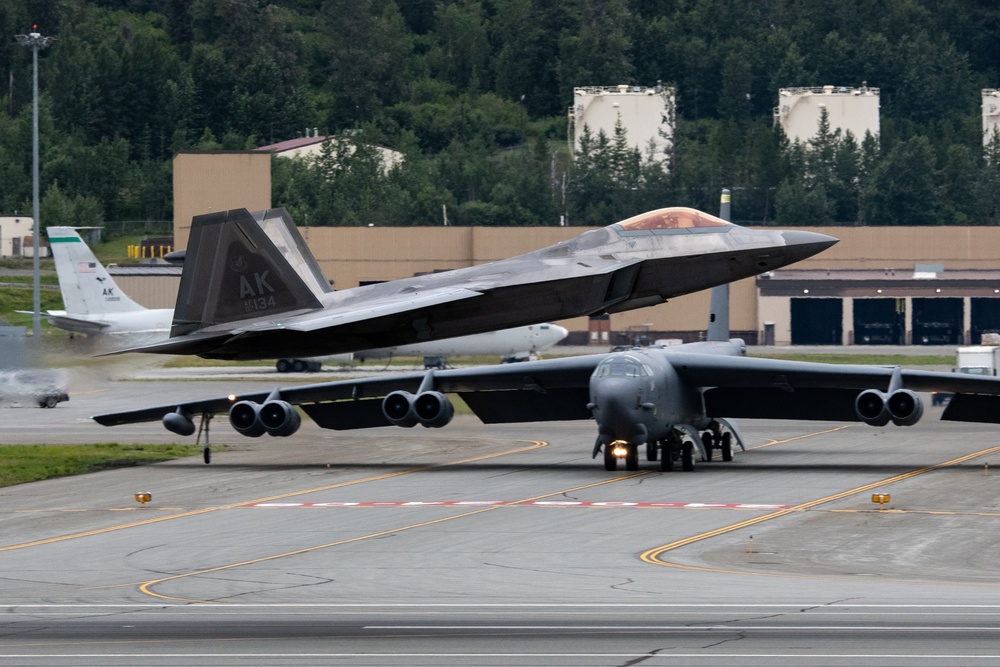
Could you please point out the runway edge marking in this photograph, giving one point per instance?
(147, 586)
(535, 444)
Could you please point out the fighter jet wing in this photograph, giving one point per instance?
(382, 307)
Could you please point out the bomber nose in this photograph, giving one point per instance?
(616, 406)
(800, 244)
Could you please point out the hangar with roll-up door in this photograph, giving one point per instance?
(925, 305)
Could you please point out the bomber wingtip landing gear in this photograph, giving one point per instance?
(203, 427)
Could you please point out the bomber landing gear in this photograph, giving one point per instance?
(727, 446)
(621, 450)
(721, 437)
(708, 438)
(632, 458)
(687, 455)
(683, 444)
(666, 456)
(206, 452)
(610, 460)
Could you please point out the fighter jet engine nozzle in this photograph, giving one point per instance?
(279, 418)
(245, 418)
(904, 407)
(871, 408)
(178, 423)
(398, 409)
(433, 409)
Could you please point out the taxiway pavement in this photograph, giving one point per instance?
(476, 545)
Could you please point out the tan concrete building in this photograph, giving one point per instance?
(16, 239)
(207, 181)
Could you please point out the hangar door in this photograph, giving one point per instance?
(817, 322)
(985, 314)
(879, 321)
(938, 321)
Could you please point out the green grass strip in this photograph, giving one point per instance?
(20, 464)
(868, 359)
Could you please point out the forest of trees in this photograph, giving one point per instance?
(474, 94)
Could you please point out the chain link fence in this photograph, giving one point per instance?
(118, 228)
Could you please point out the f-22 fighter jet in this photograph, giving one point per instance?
(251, 289)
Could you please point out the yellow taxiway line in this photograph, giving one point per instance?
(147, 587)
(535, 444)
(653, 556)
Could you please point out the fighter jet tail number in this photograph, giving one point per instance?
(260, 303)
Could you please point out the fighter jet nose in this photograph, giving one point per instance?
(802, 244)
(796, 237)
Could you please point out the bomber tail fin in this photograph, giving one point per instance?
(86, 286)
(241, 266)
(718, 319)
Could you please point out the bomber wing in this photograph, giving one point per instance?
(544, 390)
(755, 388)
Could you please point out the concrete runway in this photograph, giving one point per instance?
(475, 545)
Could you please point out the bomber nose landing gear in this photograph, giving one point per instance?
(620, 450)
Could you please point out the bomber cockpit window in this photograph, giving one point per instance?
(622, 367)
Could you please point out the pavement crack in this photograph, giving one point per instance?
(643, 658)
(263, 585)
(622, 585)
(738, 637)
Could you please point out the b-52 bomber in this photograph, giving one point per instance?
(677, 403)
(251, 289)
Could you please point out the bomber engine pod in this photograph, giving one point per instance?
(398, 409)
(871, 408)
(902, 407)
(276, 417)
(280, 418)
(433, 409)
(179, 423)
(244, 417)
(429, 408)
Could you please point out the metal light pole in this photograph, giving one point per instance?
(35, 41)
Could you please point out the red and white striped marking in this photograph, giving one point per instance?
(529, 503)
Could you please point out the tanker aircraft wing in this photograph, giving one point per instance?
(251, 289)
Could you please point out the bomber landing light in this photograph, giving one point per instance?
(619, 449)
